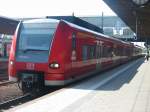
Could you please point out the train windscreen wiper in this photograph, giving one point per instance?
(31, 49)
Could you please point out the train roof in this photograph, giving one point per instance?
(54, 20)
(78, 21)
(96, 33)
(41, 21)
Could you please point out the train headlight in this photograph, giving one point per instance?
(54, 65)
(11, 62)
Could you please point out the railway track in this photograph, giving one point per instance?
(22, 99)
(3, 79)
(6, 83)
(3, 76)
(16, 101)
(7, 104)
(3, 71)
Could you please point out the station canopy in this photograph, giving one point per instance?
(135, 13)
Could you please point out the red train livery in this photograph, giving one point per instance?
(50, 52)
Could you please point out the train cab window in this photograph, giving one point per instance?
(73, 41)
(85, 52)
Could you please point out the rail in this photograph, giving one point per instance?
(6, 83)
(14, 102)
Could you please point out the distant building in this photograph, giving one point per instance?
(112, 25)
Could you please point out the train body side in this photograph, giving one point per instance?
(74, 53)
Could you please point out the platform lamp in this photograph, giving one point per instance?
(140, 2)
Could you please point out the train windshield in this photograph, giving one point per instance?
(34, 41)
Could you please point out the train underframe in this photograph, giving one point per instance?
(33, 82)
(30, 82)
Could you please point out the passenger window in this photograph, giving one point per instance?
(84, 52)
(73, 41)
(98, 51)
(105, 51)
(91, 52)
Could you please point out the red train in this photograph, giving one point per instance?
(50, 52)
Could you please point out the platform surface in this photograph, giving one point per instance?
(123, 89)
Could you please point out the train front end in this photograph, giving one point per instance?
(30, 51)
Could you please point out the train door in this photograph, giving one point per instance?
(98, 55)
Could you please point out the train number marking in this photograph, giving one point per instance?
(30, 66)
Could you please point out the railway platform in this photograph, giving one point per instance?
(123, 89)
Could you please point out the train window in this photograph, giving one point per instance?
(98, 51)
(105, 51)
(85, 52)
(110, 50)
(73, 41)
(34, 41)
(91, 52)
(117, 51)
(121, 51)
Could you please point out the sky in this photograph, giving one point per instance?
(42, 8)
